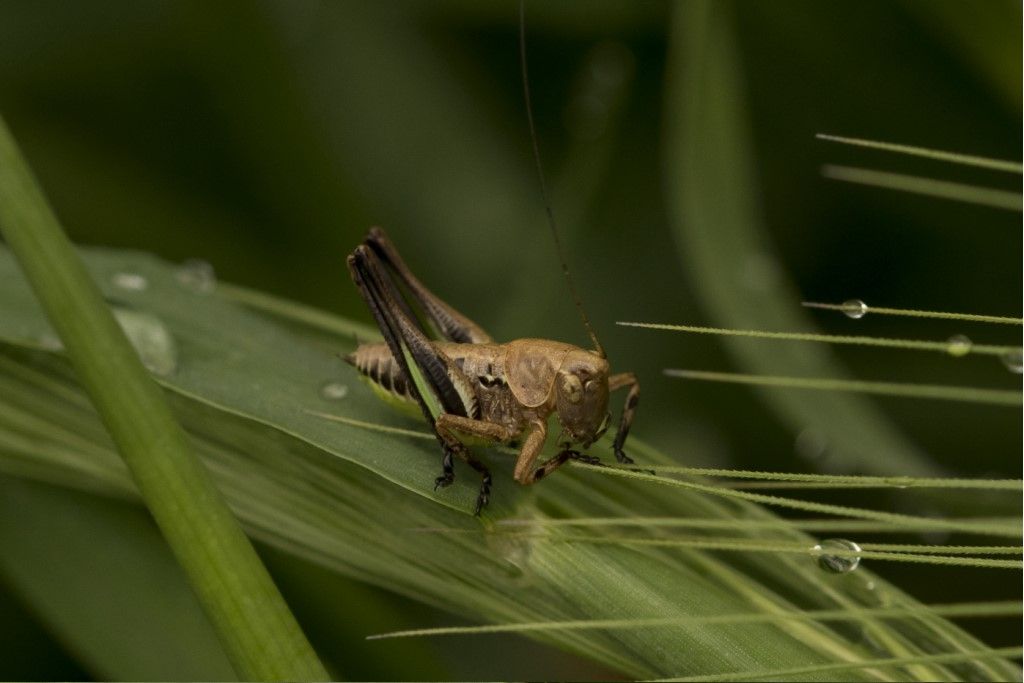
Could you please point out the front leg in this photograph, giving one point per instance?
(625, 379)
(526, 473)
(536, 435)
(556, 461)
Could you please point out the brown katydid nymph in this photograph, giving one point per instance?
(465, 384)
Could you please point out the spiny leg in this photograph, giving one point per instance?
(436, 385)
(556, 461)
(447, 470)
(452, 446)
(619, 381)
(526, 473)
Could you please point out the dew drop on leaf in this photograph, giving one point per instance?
(958, 345)
(132, 282)
(830, 561)
(811, 444)
(50, 342)
(151, 339)
(1013, 361)
(197, 275)
(855, 308)
(334, 391)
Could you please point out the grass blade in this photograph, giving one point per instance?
(791, 503)
(850, 479)
(852, 666)
(999, 397)
(960, 192)
(915, 313)
(967, 609)
(996, 526)
(745, 545)
(907, 344)
(936, 154)
(260, 635)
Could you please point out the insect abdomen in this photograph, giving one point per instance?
(378, 366)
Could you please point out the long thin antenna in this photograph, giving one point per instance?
(543, 185)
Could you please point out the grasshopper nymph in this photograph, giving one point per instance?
(467, 385)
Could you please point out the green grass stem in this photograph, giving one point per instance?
(983, 526)
(779, 501)
(950, 658)
(747, 545)
(927, 153)
(907, 344)
(942, 189)
(850, 479)
(999, 397)
(963, 610)
(916, 313)
(255, 626)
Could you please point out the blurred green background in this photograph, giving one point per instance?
(266, 138)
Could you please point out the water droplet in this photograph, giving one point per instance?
(133, 282)
(50, 342)
(837, 563)
(1013, 361)
(855, 308)
(197, 275)
(958, 345)
(151, 339)
(810, 444)
(334, 391)
(515, 545)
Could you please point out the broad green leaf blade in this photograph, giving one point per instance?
(352, 499)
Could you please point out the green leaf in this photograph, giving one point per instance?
(356, 500)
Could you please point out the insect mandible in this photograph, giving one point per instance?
(466, 385)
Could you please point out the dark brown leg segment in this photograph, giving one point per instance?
(553, 463)
(400, 333)
(449, 323)
(447, 425)
(625, 379)
(452, 446)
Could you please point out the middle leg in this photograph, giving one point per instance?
(447, 426)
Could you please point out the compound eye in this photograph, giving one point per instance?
(572, 388)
